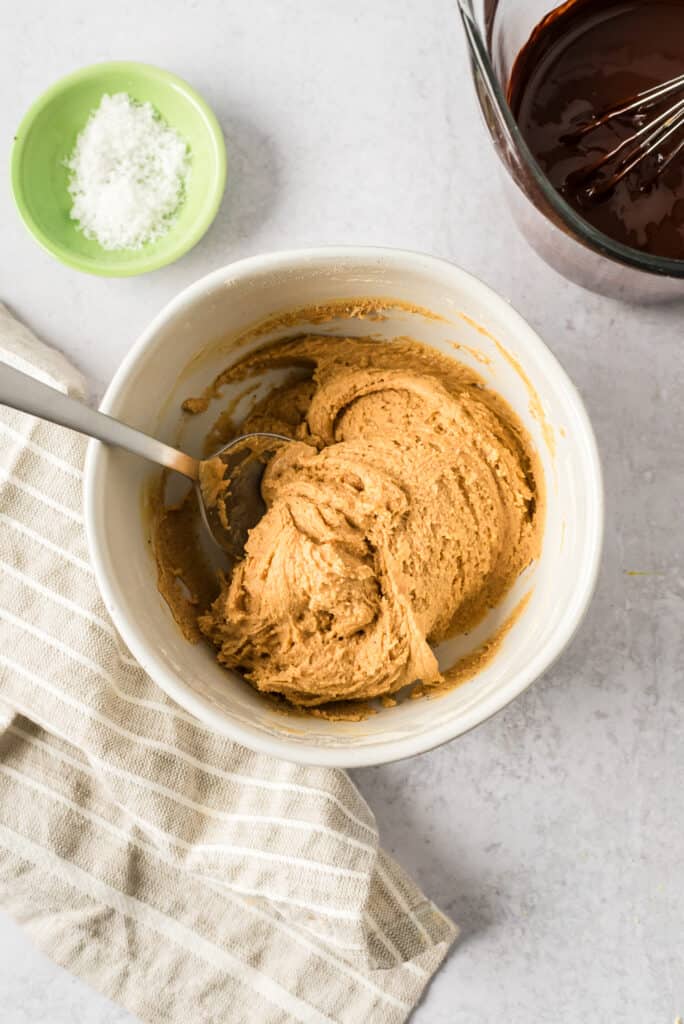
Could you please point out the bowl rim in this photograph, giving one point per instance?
(138, 262)
(378, 752)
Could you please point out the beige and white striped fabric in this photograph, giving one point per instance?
(182, 875)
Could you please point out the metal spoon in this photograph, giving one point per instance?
(228, 519)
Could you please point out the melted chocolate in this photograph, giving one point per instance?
(581, 60)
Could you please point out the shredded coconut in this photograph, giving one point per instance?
(128, 174)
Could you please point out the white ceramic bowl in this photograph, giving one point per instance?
(184, 348)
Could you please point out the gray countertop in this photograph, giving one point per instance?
(553, 833)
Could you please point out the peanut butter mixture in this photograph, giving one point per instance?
(407, 506)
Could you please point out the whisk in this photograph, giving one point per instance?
(660, 134)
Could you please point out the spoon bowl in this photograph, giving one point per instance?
(229, 489)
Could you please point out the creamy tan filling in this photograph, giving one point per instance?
(408, 505)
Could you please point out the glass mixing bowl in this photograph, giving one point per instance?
(496, 31)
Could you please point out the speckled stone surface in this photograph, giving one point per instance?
(553, 834)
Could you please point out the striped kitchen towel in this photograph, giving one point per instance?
(182, 875)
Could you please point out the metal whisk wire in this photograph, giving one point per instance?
(650, 136)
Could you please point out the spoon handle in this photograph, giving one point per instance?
(22, 392)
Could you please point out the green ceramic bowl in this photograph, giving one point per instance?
(47, 135)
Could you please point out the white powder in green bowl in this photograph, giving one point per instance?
(128, 174)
